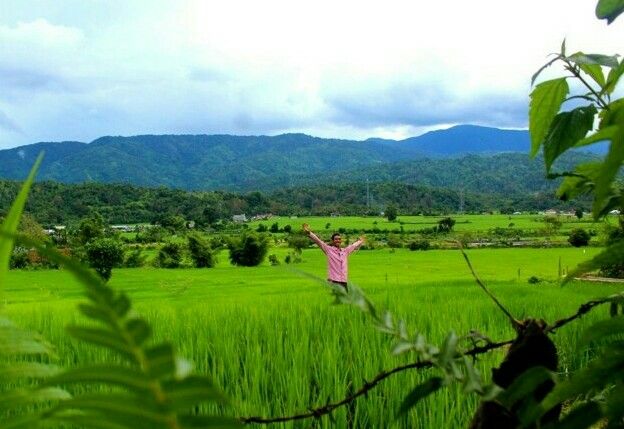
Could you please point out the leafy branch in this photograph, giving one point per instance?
(356, 298)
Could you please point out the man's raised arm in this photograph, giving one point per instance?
(355, 246)
(313, 236)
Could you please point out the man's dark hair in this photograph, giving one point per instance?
(334, 235)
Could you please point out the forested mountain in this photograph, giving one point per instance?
(225, 162)
(508, 173)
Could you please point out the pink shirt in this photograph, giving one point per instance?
(336, 258)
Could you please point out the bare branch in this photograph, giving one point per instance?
(515, 323)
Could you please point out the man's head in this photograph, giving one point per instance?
(336, 239)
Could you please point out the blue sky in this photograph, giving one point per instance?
(77, 70)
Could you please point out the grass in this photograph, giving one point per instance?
(270, 338)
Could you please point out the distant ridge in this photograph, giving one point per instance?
(230, 162)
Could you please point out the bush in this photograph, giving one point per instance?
(394, 241)
(103, 254)
(419, 245)
(273, 260)
(446, 225)
(200, 251)
(169, 256)
(578, 237)
(249, 250)
(534, 280)
(19, 258)
(135, 258)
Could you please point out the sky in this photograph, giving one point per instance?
(75, 70)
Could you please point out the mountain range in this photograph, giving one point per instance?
(242, 163)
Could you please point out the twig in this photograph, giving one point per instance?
(516, 324)
(369, 385)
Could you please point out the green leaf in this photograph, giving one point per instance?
(473, 381)
(612, 254)
(604, 329)
(20, 370)
(580, 182)
(613, 160)
(613, 78)
(208, 422)
(598, 374)
(11, 222)
(17, 398)
(615, 404)
(609, 9)
(109, 374)
(605, 134)
(566, 129)
(594, 59)
(449, 349)
(546, 100)
(161, 361)
(101, 337)
(98, 313)
(584, 416)
(87, 421)
(524, 385)
(549, 63)
(183, 394)
(139, 330)
(122, 305)
(419, 392)
(120, 408)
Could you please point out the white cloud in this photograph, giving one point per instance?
(340, 69)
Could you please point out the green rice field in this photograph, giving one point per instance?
(271, 338)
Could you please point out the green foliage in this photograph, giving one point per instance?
(103, 254)
(201, 253)
(578, 237)
(146, 385)
(274, 228)
(248, 250)
(446, 225)
(391, 213)
(421, 244)
(169, 255)
(90, 228)
(609, 9)
(135, 258)
(599, 386)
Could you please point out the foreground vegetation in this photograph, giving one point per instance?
(268, 337)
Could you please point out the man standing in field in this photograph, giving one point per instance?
(336, 255)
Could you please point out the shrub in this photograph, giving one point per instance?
(274, 228)
(287, 229)
(103, 254)
(249, 250)
(261, 228)
(273, 260)
(200, 251)
(419, 245)
(534, 280)
(135, 258)
(169, 256)
(446, 224)
(394, 241)
(19, 258)
(578, 237)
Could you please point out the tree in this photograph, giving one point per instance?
(391, 213)
(200, 251)
(90, 228)
(170, 255)
(578, 213)
(103, 254)
(446, 225)
(248, 250)
(274, 228)
(578, 237)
